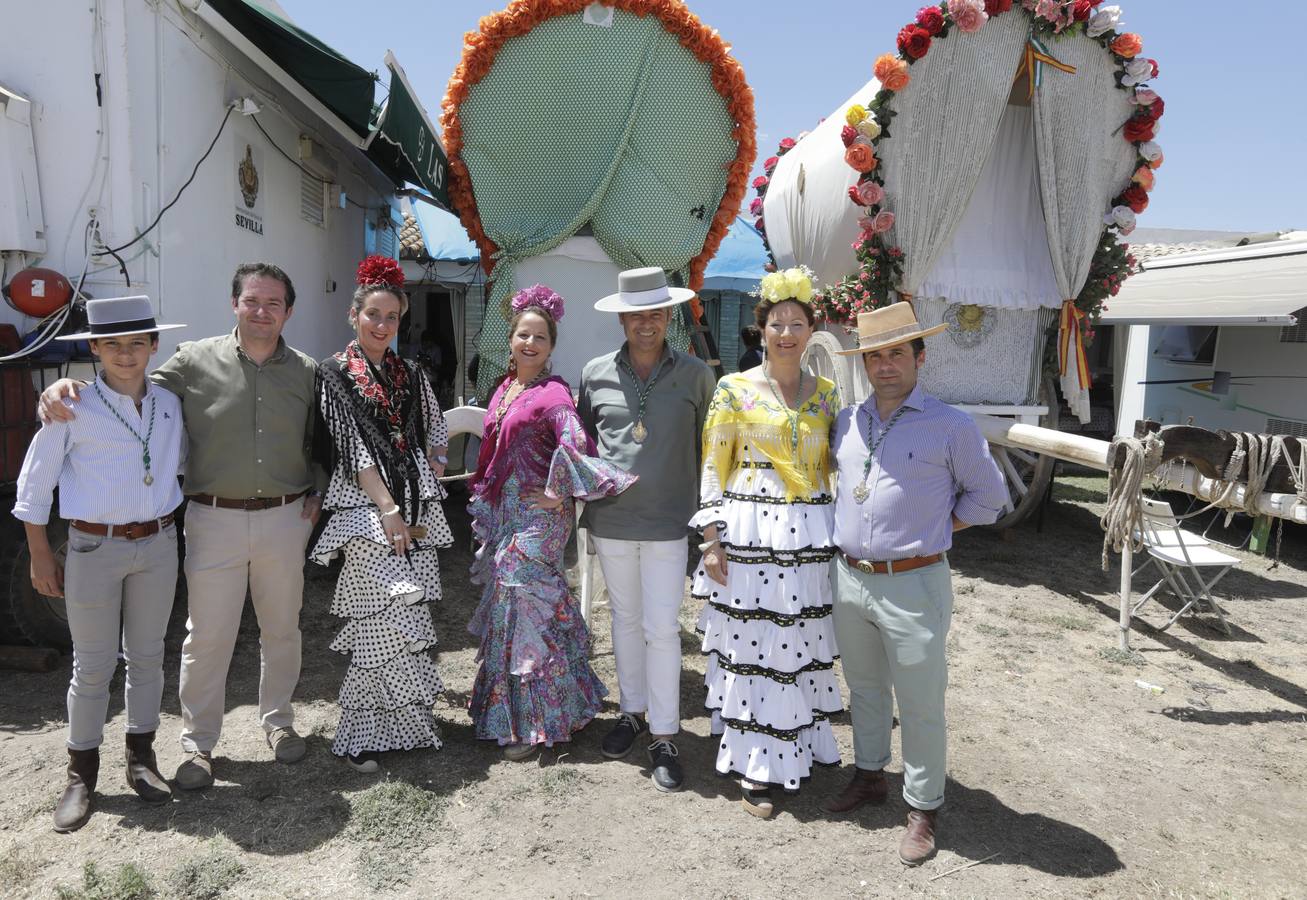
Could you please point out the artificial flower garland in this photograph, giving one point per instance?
(520, 16)
(760, 186)
(880, 264)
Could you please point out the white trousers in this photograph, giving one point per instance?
(646, 581)
(227, 552)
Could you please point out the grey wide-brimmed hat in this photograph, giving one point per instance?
(116, 316)
(640, 289)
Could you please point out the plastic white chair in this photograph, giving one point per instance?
(1181, 556)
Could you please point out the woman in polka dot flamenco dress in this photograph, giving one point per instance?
(767, 518)
(382, 435)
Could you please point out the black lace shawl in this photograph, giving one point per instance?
(347, 424)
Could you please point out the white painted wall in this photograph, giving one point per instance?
(166, 81)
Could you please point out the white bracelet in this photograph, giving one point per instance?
(703, 548)
(392, 511)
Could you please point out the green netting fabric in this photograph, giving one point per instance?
(617, 127)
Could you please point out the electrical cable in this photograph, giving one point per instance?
(113, 251)
(309, 172)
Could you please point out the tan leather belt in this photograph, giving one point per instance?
(893, 566)
(133, 531)
(252, 503)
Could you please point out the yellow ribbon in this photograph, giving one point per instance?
(1029, 66)
(1071, 342)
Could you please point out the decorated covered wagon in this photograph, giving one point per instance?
(986, 174)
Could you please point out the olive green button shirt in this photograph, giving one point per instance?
(659, 506)
(249, 427)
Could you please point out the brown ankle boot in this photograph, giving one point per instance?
(866, 786)
(919, 843)
(74, 806)
(143, 770)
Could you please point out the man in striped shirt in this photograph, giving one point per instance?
(911, 470)
(116, 470)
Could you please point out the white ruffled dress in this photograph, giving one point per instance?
(768, 632)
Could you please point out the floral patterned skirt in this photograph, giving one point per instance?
(535, 684)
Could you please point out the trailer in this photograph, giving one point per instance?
(160, 147)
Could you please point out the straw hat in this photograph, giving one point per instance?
(117, 316)
(889, 325)
(639, 289)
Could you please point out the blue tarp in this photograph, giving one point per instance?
(443, 235)
(737, 266)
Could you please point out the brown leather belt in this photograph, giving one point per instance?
(133, 531)
(893, 566)
(252, 503)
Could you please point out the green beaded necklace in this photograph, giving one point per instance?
(145, 441)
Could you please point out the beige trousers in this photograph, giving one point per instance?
(228, 550)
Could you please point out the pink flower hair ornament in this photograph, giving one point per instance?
(541, 296)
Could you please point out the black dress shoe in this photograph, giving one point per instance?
(618, 742)
(667, 775)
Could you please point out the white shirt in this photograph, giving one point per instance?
(97, 463)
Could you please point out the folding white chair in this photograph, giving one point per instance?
(1181, 556)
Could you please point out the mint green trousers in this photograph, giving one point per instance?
(892, 631)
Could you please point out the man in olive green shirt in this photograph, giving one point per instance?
(248, 408)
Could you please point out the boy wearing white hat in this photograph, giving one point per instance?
(116, 469)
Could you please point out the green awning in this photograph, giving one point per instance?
(404, 142)
(340, 85)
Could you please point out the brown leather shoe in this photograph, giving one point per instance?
(143, 769)
(74, 808)
(866, 786)
(919, 843)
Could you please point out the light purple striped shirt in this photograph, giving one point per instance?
(97, 463)
(932, 465)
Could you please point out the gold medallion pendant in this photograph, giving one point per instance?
(639, 432)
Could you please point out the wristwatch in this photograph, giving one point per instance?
(443, 460)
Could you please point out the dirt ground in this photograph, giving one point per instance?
(1067, 778)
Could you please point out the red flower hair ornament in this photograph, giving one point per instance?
(378, 269)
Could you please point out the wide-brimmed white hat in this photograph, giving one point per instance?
(640, 289)
(116, 316)
(889, 325)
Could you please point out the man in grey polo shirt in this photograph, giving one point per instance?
(645, 406)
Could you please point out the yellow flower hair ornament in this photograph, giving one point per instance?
(787, 284)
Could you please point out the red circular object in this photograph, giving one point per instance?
(39, 292)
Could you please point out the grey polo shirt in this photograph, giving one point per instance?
(658, 507)
(250, 427)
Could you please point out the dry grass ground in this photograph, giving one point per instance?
(1065, 777)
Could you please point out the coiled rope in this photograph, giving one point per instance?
(1254, 454)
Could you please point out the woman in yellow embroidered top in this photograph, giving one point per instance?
(768, 524)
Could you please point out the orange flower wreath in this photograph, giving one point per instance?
(520, 16)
